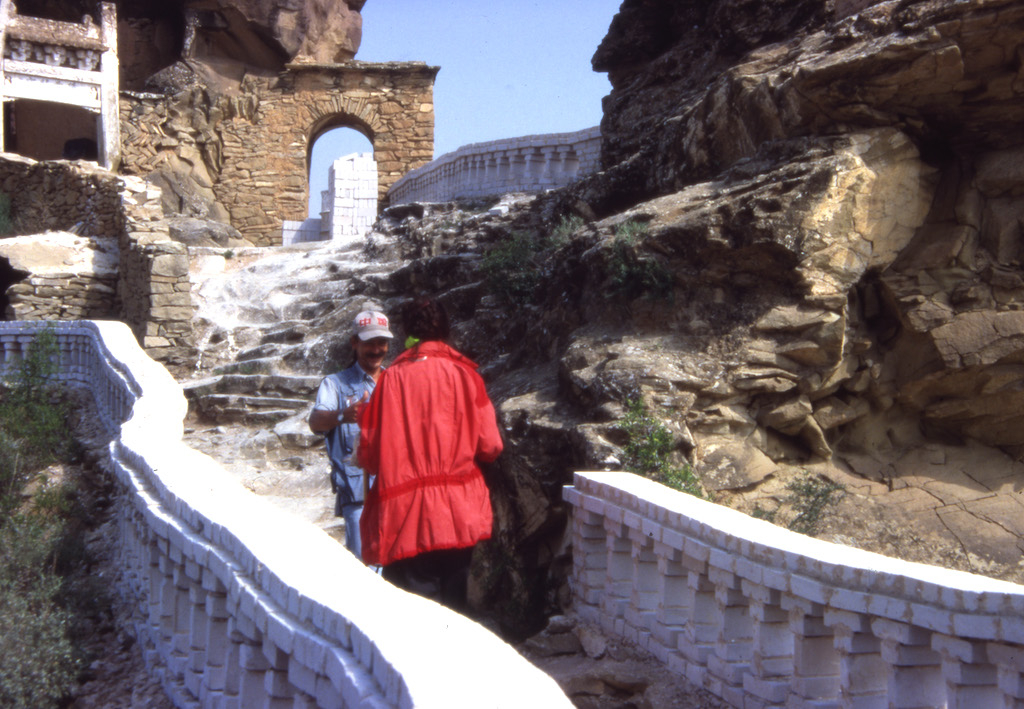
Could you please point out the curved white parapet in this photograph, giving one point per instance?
(766, 617)
(532, 163)
(240, 605)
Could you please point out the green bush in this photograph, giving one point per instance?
(31, 411)
(631, 230)
(810, 496)
(38, 664)
(648, 447)
(13, 475)
(629, 274)
(560, 235)
(510, 270)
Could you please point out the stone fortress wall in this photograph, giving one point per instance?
(248, 155)
(226, 614)
(532, 163)
(120, 262)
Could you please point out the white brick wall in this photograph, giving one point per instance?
(240, 605)
(350, 202)
(765, 617)
(293, 232)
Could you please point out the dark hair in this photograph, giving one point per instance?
(426, 319)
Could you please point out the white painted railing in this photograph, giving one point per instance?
(532, 163)
(765, 617)
(241, 605)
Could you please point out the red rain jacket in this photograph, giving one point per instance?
(427, 425)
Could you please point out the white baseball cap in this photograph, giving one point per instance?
(370, 324)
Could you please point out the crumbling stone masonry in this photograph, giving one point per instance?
(250, 153)
(150, 289)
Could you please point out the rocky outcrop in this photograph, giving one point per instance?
(310, 30)
(251, 31)
(802, 256)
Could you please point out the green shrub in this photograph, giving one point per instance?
(38, 661)
(560, 235)
(648, 447)
(510, 269)
(32, 413)
(13, 475)
(631, 230)
(38, 664)
(810, 496)
(803, 509)
(630, 275)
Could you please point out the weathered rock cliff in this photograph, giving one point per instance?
(297, 30)
(803, 255)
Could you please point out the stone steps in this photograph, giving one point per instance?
(250, 398)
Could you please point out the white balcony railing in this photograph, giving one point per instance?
(239, 604)
(765, 617)
(532, 163)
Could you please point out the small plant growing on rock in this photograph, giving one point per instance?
(630, 230)
(630, 275)
(510, 269)
(647, 450)
(563, 230)
(810, 496)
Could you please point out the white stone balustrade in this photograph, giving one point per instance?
(533, 163)
(765, 617)
(241, 605)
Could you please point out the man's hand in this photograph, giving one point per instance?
(351, 412)
(321, 421)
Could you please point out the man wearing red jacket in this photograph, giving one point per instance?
(423, 434)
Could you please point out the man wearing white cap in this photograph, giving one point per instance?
(338, 401)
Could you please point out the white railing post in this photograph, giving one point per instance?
(765, 617)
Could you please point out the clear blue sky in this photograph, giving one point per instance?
(508, 68)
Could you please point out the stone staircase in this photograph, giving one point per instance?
(269, 324)
(250, 399)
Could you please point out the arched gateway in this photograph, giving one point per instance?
(267, 139)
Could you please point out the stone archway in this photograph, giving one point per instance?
(268, 136)
(328, 121)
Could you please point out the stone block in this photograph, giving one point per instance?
(170, 265)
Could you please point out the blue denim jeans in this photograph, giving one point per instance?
(353, 540)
